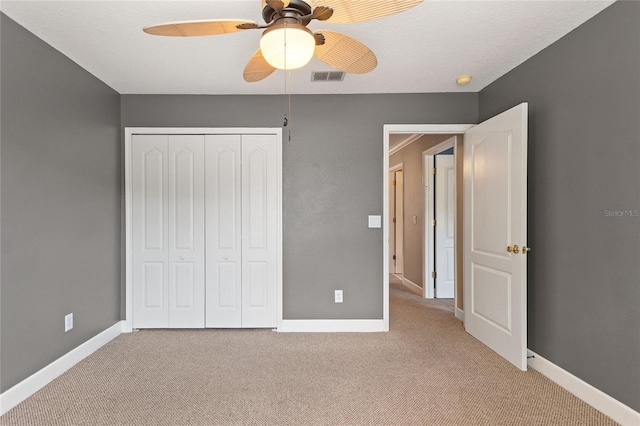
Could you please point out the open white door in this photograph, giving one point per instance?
(399, 222)
(392, 222)
(495, 238)
(445, 224)
(429, 229)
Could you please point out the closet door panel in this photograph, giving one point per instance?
(223, 231)
(185, 288)
(260, 225)
(186, 231)
(152, 280)
(256, 284)
(150, 239)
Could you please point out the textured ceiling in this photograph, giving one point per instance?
(419, 51)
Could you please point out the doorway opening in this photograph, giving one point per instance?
(494, 211)
(415, 268)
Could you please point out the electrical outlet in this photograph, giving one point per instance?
(68, 322)
(338, 296)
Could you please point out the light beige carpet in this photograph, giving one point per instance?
(425, 371)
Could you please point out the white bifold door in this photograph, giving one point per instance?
(204, 224)
(241, 231)
(168, 231)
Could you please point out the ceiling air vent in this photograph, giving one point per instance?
(327, 76)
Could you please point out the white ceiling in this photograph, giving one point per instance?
(419, 51)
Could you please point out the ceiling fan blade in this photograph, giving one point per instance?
(322, 13)
(345, 53)
(348, 11)
(257, 68)
(197, 28)
(278, 4)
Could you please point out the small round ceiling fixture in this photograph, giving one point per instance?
(463, 79)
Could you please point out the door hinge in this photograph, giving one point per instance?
(394, 183)
(394, 220)
(434, 274)
(394, 257)
(433, 222)
(433, 170)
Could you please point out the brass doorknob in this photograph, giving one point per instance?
(513, 249)
(525, 249)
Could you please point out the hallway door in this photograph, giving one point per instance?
(399, 221)
(445, 206)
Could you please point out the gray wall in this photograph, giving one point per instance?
(411, 157)
(584, 158)
(332, 180)
(60, 202)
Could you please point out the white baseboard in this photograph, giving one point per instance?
(23, 390)
(412, 286)
(332, 326)
(459, 314)
(599, 400)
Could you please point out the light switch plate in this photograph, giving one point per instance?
(68, 322)
(375, 221)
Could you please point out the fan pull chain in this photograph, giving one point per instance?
(289, 99)
(286, 87)
(287, 91)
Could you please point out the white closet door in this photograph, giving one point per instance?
(167, 231)
(259, 229)
(150, 230)
(186, 231)
(223, 235)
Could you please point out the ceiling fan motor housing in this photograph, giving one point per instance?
(296, 9)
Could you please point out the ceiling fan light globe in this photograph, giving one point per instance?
(288, 48)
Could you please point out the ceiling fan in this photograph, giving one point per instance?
(287, 43)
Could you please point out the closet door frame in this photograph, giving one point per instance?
(129, 132)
